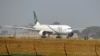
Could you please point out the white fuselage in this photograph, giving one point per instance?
(63, 29)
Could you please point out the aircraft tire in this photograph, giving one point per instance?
(43, 36)
(58, 36)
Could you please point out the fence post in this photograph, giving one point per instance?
(7, 48)
(35, 49)
(65, 49)
(96, 51)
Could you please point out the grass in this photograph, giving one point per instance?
(20, 55)
(50, 47)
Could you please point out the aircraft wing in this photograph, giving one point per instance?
(16, 27)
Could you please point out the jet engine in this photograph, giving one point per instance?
(42, 34)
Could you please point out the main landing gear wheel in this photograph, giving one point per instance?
(58, 36)
(43, 36)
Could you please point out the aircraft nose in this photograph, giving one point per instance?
(70, 30)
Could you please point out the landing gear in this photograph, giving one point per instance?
(43, 36)
(46, 34)
(58, 36)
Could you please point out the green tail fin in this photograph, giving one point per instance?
(35, 18)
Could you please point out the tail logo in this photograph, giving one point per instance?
(35, 17)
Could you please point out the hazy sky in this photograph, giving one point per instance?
(76, 13)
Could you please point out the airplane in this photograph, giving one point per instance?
(45, 29)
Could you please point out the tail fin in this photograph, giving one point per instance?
(35, 19)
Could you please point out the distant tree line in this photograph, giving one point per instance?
(93, 31)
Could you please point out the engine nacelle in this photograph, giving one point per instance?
(41, 33)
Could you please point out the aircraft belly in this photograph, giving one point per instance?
(44, 28)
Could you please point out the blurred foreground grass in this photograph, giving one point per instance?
(50, 47)
(20, 55)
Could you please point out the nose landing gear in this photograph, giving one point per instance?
(58, 36)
